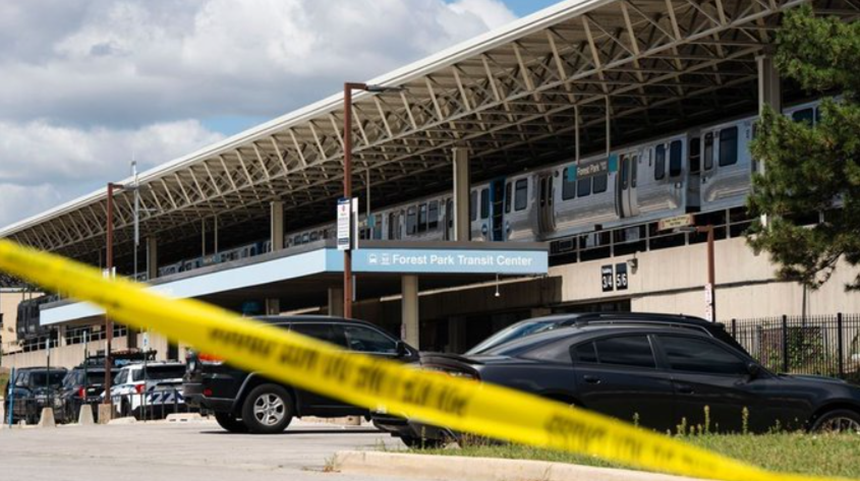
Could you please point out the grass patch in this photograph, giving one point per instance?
(824, 455)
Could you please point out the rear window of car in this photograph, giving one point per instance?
(44, 378)
(160, 373)
(631, 351)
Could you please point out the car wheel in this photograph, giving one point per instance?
(415, 442)
(838, 421)
(230, 423)
(268, 409)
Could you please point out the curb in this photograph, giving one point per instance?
(456, 468)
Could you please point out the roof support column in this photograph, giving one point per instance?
(335, 301)
(277, 225)
(769, 94)
(151, 258)
(462, 183)
(410, 326)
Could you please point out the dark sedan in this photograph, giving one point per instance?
(660, 376)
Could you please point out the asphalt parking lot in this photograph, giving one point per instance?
(194, 450)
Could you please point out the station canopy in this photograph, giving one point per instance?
(511, 97)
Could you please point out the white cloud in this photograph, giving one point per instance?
(86, 83)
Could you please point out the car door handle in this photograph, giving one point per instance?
(591, 379)
(685, 389)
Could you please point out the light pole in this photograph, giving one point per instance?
(711, 286)
(109, 264)
(348, 87)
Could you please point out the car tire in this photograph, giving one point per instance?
(230, 423)
(838, 421)
(415, 442)
(268, 409)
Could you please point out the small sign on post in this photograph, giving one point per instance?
(675, 222)
(709, 302)
(343, 224)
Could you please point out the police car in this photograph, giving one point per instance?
(149, 390)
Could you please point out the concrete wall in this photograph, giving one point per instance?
(70, 356)
(672, 280)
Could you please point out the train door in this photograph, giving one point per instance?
(394, 229)
(545, 213)
(627, 173)
(449, 220)
(497, 210)
(694, 182)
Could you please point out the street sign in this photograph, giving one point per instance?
(675, 222)
(343, 224)
(709, 302)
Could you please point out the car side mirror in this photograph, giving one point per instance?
(402, 349)
(754, 370)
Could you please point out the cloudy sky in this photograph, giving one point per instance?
(86, 85)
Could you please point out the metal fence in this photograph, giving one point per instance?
(827, 345)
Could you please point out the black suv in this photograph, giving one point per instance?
(660, 376)
(250, 402)
(32, 389)
(83, 384)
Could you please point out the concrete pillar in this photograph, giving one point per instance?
(457, 334)
(273, 307)
(410, 325)
(769, 88)
(462, 183)
(151, 257)
(335, 301)
(277, 225)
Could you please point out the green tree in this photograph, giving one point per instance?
(812, 169)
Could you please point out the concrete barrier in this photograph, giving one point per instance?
(456, 468)
(3, 419)
(184, 417)
(46, 420)
(105, 413)
(125, 420)
(85, 417)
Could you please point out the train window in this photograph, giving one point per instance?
(729, 146)
(485, 203)
(583, 187)
(695, 155)
(659, 162)
(377, 227)
(634, 160)
(422, 218)
(508, 198)
(305, 238)
(433, 215)
(473, 205)
(568, 186)
(624, 172)
(600, 183)
(297, 239)
(709, 151)
(675, 149)
(411, 221)
(806, 116)
(315, 236)
(522, 194)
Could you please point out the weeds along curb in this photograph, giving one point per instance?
(457, 468)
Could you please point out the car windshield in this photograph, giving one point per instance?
(160, 373)
(514, 331)
(97, 377)
(43, 378)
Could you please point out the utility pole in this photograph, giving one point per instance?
(111, 187)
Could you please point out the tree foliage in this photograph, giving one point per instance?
(808, 168)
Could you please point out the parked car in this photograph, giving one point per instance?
(83, 385)
(661, 376)
(32, 389)
(149, 390)
(251, 402)
(399, 427)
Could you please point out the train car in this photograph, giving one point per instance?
(726, 164)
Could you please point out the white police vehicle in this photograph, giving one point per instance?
(149, 390)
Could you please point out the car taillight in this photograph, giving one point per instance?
(209, 359)
(82, 393)
(207, 392)
(140, 388)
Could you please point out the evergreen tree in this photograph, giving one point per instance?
(810, 168)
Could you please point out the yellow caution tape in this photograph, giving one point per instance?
(374, 383)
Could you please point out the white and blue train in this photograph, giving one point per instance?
(704, 169)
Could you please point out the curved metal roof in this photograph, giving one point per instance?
(508, 96)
